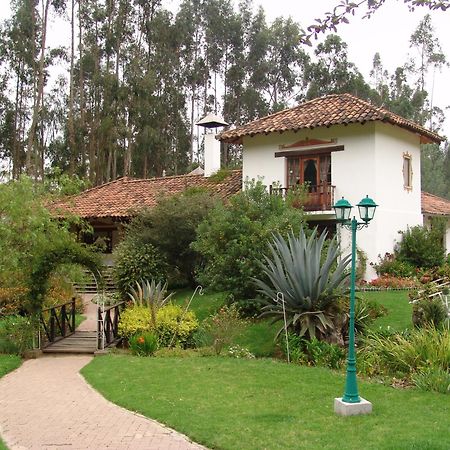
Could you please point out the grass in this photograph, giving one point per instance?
(399, 310)
(258, 337)
(7, 364)
(226, 403)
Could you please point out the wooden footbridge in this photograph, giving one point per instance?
(59, 335)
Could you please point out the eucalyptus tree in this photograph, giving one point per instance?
(332, 72)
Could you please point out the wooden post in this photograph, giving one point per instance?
(52, 325)
(63, 320)
(73, 314)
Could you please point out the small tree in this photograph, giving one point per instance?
(422, 247)
(170, 227)
(234, 237)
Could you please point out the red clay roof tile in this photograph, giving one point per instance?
(122, 197)
(434, 205)
(325, 111)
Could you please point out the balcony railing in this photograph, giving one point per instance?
(318, 198)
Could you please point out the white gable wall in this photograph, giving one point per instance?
(371, 164)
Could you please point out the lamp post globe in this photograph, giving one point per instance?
(367, 209)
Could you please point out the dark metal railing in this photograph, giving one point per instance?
(316, 197)
(58, 322)
(108, 325)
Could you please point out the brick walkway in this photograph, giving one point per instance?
(46, 404)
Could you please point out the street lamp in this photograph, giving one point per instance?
(351, 403)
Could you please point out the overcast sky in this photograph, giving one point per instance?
(387, 32)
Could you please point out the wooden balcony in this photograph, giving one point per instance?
(318, 198)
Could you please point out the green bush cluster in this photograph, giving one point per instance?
(403, 355)
(234, 237)
(135, 262)
(16, 335)
(313, 352)
(391, 264)
(170, 227)
(143, 344)
(422, 247)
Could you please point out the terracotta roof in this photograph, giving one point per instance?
(434, 205)
(122, 197)
(325, 111)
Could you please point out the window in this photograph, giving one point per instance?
(407, 171)
(310, 169)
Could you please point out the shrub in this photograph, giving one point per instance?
(422, 247)
(429, 312)
(224, 326)
(314, 352)
(150, 295)
(390, 264)
(16, 334)
(175, 327)
(234, 237)
(134, 320)
(392, 282)
(135, 262)
(404, 354)
(310, 284)
(12, 300)
(171, 228)
(143, 344)
(433, 379)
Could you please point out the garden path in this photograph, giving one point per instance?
(47, 404)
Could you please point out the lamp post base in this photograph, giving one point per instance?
(342, 408)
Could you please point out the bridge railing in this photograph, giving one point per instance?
(108, 325)
(57, 322)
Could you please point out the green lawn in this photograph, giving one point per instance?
(226, 403)
(258, 337)
(7, 364)
(399, 309)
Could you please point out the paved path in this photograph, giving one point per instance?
(90, 311)
(46, 404)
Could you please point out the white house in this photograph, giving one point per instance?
(342, 146)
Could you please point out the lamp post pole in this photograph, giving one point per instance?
(351, 386)
(351, 403)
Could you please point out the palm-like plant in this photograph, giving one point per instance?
(150, 295)
(309, 278)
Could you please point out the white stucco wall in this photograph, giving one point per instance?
(371, 164)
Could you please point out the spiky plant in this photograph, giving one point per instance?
(310, 278)
(150, 295)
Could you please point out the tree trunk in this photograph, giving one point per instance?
(39, 94)
(70, 124)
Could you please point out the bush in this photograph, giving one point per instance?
(422, 247)
(171, 228)
(433, 379)
(143, 344)
(235, 236)
(223, 327)
(392, 282)
(429, 312)
(16, 335)
(390, 264)
(175, 327)
(134, 320)
(12, 300)
(314, 352)
(404, 354)
(135, 262)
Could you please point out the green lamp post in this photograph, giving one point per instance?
(343, 210)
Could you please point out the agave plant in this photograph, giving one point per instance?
(310, 279)
(150, 295)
